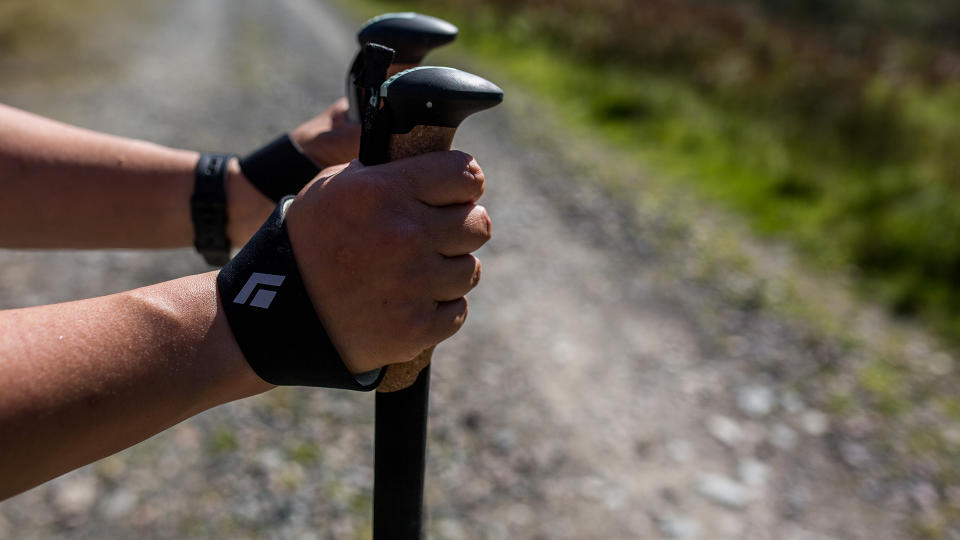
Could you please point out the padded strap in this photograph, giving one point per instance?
(272, 318)
(278, 169)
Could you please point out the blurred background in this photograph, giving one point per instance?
(721, 301)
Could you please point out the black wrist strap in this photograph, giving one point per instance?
(279, 168)
(208, 208)
(273, 320)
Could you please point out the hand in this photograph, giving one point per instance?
(329, 138)
(385, 253)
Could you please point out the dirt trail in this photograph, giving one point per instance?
(595, 392)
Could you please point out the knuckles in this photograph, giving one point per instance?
(474, 179)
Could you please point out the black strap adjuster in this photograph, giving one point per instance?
(208, 208)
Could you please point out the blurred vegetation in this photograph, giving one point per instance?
(27, 24)
(833, 123)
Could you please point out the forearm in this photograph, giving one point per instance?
(85, 379)
(67, 187)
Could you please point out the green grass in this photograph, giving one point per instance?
(885, 384)
(222, 441)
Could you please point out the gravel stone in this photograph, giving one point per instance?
(725, 429)
(756, 401)
(119, 503)
(783, 437)
(753, 473)
(815, 423)
(679, 527)
(77, 494)
(855, 454)
(724, 491)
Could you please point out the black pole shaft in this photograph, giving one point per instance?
(400, 451)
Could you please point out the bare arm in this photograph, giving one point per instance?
(66, 187)
(85, 379)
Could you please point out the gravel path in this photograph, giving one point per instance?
(595, 393)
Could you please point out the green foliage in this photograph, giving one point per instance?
(222, 441)
(886, 385)
(834, 124)
(304, 452)
(26, 24)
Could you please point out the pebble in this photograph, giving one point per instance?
(724, 429)
(783, 437)
(119, 503)
(680, 527)
(724, 491)
(854, 454)
(76, 495)
(753, 473)
(270, 459)
(815, 423)
(755, 400)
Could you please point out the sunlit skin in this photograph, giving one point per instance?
(384, 252)
(80, 189)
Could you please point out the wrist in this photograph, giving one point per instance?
(220, 371)
(247, 207)
(301, 137)
(278, 168)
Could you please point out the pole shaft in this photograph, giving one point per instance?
(400, 439)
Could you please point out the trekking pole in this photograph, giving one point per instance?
(421, 110)
(410, 35)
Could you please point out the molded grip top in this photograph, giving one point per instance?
(412, 35)
(436, 96)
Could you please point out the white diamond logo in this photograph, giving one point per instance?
(263, 297)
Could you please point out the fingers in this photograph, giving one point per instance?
(456, 276)
(440, 178)
(459, 229)
(448, 318)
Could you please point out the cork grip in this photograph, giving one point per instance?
(420, 140)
